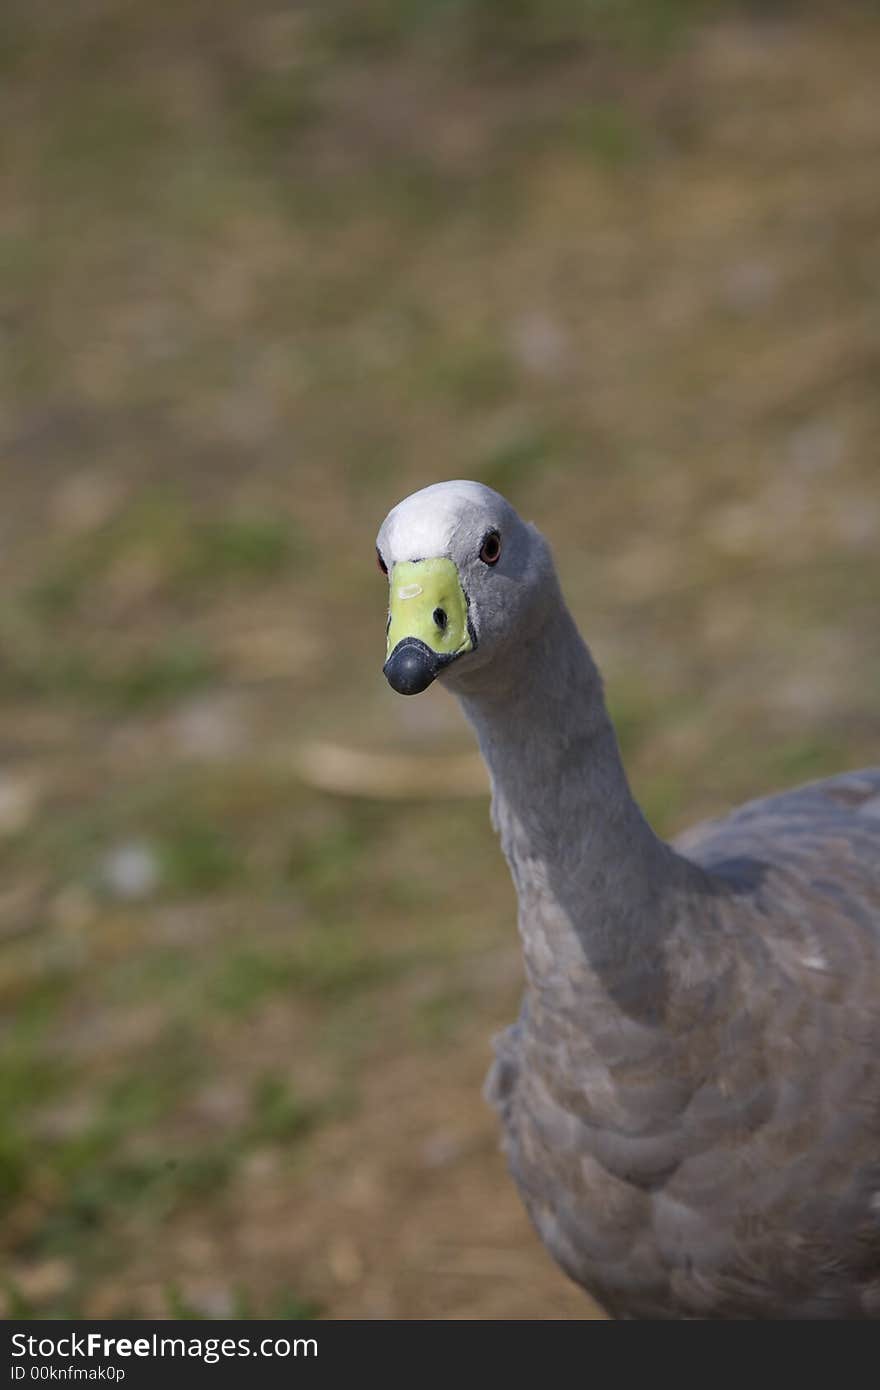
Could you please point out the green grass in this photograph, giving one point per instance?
(115, 1164)
(183, 554)
(473, 374)
(511, 465)
(437, 1018)
(607, 133)
(499, 29)
(66, 633)
(44, 668)
(198, 858)
(327, 964)
(804, 759)
(277, 1114)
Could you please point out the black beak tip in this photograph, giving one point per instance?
(411, 667)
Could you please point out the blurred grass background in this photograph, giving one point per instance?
(264, 269)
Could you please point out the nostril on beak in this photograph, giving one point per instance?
(440, 618)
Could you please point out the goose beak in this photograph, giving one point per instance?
(411, 667)
(428, 624)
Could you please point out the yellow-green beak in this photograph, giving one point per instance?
(427, 623)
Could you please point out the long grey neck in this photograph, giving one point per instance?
(597, 888)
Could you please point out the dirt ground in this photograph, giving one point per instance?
(263, 273)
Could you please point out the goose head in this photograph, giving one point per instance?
(467, 583)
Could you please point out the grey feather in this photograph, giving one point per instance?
(690, 1099)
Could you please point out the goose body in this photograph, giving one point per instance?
(690, 1099)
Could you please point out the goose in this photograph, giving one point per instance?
(690, 1097)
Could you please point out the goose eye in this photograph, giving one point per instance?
(380, 562)
(490, 550)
